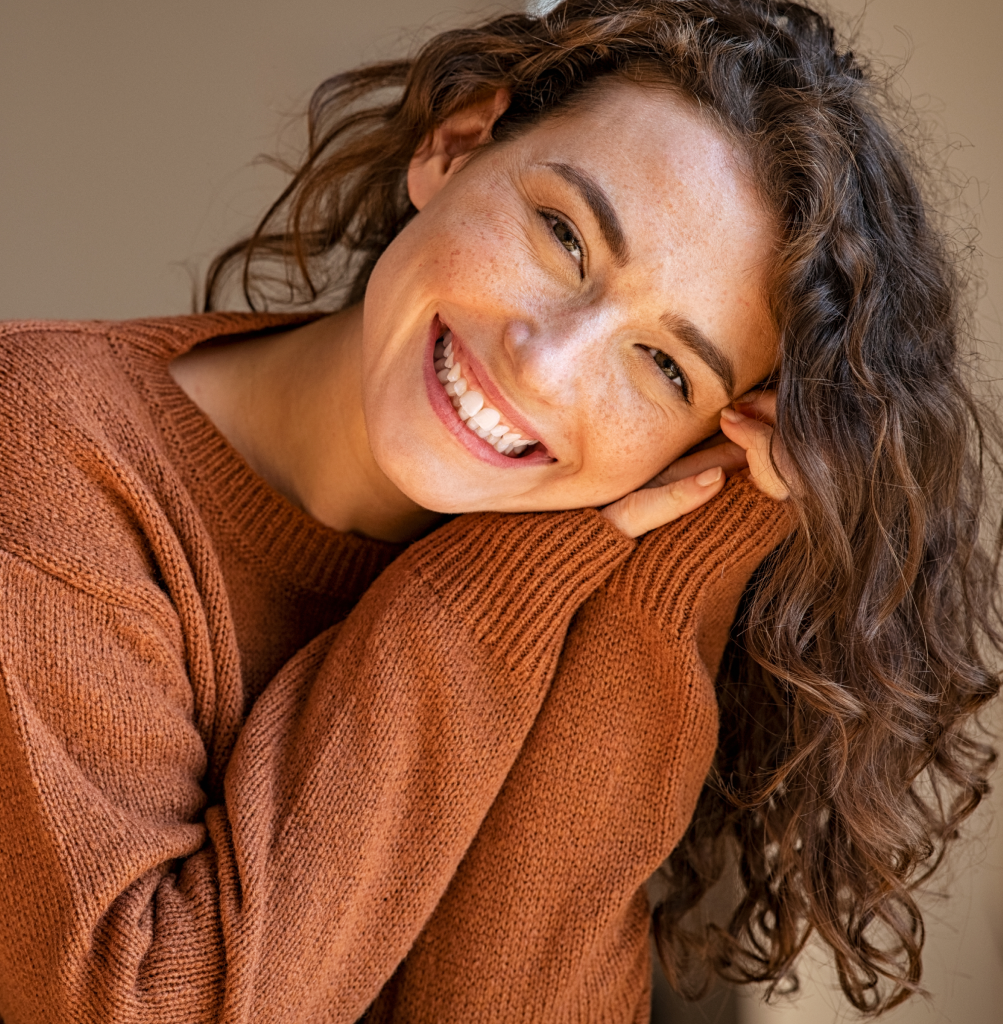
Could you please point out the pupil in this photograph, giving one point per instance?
(564, 236)
(667, 366)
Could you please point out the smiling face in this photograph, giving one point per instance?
(601, 278)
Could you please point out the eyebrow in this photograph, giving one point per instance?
(598, 201)
(702, 347)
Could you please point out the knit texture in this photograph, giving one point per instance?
(255, 770)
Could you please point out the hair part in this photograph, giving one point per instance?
(847, 757)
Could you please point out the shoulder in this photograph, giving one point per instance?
(61, 393)
(39, 357)
(79, 457)
(71, 361)
(85, 480)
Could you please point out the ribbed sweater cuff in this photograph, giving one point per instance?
(516, 579)
(677, 566)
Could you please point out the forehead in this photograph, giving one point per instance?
(659, 153)
(698, 234)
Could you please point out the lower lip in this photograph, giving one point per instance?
(451, 421)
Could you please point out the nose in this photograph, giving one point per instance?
(551, 358)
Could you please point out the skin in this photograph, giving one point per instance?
(508, 254)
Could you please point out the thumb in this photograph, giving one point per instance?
(651, 507)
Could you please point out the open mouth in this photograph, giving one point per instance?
(478, 417)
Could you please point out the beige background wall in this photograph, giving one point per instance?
(127, 129)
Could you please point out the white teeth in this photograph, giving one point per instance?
(472, 401)
(487, 418)
(480, 419)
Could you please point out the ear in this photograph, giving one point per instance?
(446, 149)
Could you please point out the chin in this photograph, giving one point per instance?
(420, 474)
(439, 491)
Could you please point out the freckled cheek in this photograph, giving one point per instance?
(478, 258)
(646, 449)
(626, 439)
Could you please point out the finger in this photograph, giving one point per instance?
(729, 456)
(647, 509)
(745, 431)
(755, 436)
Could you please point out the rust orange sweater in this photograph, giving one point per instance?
(254, 770)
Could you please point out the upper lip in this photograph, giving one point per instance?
(492, 394)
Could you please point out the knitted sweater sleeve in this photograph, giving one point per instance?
(547, 918)
(355, 787)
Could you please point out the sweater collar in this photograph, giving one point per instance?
(268, 528)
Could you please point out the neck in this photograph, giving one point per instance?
(291, 404)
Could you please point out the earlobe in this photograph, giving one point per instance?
(448, 147)
(426, 174)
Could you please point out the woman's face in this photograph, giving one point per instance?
(601, 279)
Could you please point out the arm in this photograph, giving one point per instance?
(359, 779)
(547, 918)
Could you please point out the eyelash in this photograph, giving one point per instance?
(552, 220)
(677, 374)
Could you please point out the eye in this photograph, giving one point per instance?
(565, 235)
(668, 366)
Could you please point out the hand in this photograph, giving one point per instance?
(750, 426)
(742, 446)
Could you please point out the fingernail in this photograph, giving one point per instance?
(729, 414)
(709, 476)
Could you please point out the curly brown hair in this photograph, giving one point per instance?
(848, 755)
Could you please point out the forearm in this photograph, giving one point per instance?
(601, 792)
(358, 781)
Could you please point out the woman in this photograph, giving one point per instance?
(282, 741)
